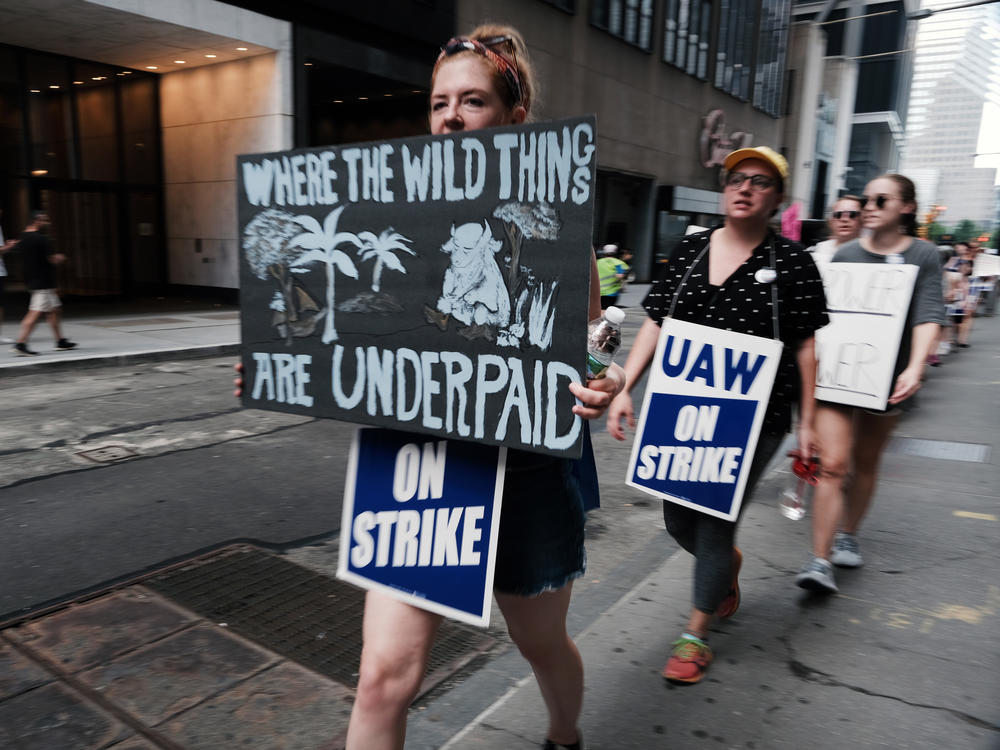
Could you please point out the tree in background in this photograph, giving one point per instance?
(966, 230)
(935, 231)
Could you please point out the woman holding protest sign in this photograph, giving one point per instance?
(480, 81)
(852, 439)
(738, 277)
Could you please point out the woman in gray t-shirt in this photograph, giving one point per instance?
(852, 439)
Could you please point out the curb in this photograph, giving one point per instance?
(128, 358)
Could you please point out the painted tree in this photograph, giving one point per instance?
(321, 245)
(525, 221)
(383, 250)
(528, 221)
(268, 249)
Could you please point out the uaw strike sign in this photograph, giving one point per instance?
(856, 353)
(420, 521)
(436, 285)
(705, 401)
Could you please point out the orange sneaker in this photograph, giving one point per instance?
(728, 606)
(688, 661)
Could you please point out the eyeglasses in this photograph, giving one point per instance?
(506, 65)
(757, 181)
(880, 200)
(846, 214)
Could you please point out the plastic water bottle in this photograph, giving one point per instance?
(795, 498)
(604, 337)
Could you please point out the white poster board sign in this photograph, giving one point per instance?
(705, 402)
(420, 521)
(856, 352)
(986, 265)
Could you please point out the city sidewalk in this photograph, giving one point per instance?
(906, 656)
(123, 332)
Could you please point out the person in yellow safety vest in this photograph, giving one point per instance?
(612, 273)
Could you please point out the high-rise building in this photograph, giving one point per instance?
(955, 94)
(850, 66)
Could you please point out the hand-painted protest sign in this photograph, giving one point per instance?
(436, 285)
(705, 401)
(420, 521)
(856, 353)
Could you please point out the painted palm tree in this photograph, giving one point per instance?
(320, 244)
(382, 249)
(269, 253)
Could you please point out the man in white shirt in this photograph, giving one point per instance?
(845, 225)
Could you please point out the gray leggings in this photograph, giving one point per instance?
(710, 539)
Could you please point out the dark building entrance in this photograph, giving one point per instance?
(81, 140)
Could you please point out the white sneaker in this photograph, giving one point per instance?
(5, 340)
(846, 552)
(817, 575)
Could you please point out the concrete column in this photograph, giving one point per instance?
(209, 116)
(809, 42)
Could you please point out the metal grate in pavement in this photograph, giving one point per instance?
(942, 449)
(298, 613)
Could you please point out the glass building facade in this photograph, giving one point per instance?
(81, 141)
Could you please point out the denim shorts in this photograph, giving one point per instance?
(540, 546)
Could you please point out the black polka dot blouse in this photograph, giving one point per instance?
(744, 304)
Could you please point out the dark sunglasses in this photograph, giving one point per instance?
(880, 200)
(507, 65)
(757, 181)
(847, 214)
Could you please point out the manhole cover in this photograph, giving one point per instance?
(107, 454)
(298, 613)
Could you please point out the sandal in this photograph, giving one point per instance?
(578, 745)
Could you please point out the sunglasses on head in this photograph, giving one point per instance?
(506, 65)
(757, 181)
(846, 214)
(880, 200)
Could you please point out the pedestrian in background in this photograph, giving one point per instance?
(40, 260)
(738, 277)
(981, 286)
(480, 81)
(961, 296)
(844, 224)
(612, 272)
(852, 439)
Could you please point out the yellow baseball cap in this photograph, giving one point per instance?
(763, 153)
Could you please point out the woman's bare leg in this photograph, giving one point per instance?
(835, 435)
(537, 625)
(871, 435)
(397, 640)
